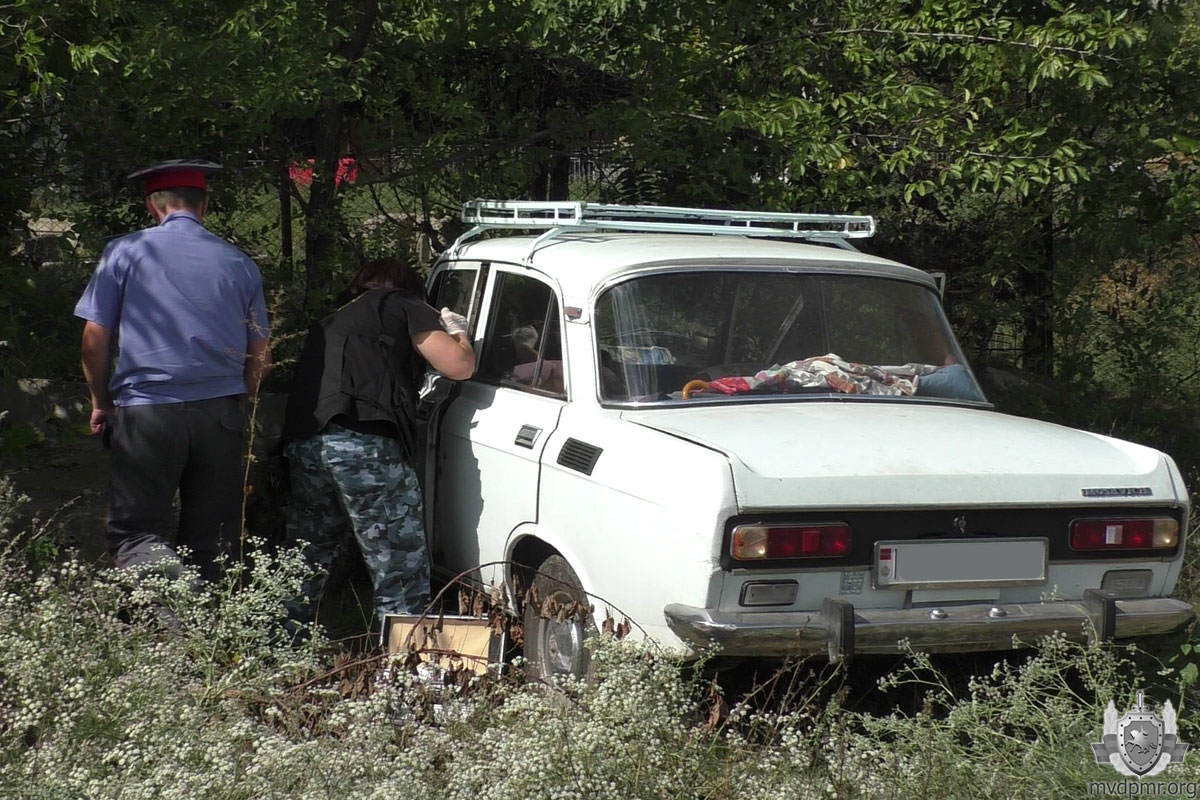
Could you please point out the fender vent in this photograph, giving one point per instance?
(579, 456)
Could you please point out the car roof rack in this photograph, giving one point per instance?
(557, 217)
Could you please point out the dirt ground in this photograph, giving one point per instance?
(65, 481)
(64, 474)
(47, 454)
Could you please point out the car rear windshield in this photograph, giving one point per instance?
(713, 334)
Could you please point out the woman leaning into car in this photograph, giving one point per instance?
(350, 433)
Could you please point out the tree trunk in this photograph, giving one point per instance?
(321, 220)
(560, 177)
(551, 177)
(539, 183)
(1037, 293)
(320, 226)
(286, 252)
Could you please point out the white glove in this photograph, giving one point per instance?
(453, 323)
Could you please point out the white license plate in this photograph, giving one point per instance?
(944, 563)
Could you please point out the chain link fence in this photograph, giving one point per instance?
(382, 208)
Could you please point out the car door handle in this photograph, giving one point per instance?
(527, 436)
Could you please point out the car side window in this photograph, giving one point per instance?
(452, 289)
(523, 345)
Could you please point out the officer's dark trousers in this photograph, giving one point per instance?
(194, 449)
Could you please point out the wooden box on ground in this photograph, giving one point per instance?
(446, 642)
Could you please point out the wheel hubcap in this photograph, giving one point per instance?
(563, 646)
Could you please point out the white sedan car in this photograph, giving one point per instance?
(741, 433)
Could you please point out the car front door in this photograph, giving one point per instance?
(459, 286)
(493, 432)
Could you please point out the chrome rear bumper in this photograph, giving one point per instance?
(839, 629)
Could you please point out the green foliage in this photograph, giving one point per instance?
(790, 105)
(25, 544)
(1039, 154)
(39, 337)
(1042, 154)
(16, 439)
(12, 503)
(147, 686)
(122, 687)
(1019, 731)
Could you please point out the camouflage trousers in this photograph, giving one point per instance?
(339, 475)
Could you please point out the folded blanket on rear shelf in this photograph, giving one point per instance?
(828, 372)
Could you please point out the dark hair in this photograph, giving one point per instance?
(386, 273)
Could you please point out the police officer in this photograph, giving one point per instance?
(188, 315)
(351, 432)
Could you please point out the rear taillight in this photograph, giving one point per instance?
(1160, 533)
(756, 542)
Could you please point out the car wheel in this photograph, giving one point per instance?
(554, 644)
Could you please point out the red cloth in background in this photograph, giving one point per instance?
(302, 173)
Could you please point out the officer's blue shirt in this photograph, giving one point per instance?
(185, 304)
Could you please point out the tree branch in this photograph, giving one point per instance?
(353, 48)
(974, 37)
(742, 50)
(460, 156)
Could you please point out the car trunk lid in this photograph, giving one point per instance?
(864, 454)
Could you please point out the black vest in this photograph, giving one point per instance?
(352, 368)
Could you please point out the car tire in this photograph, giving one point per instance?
(553, 648)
